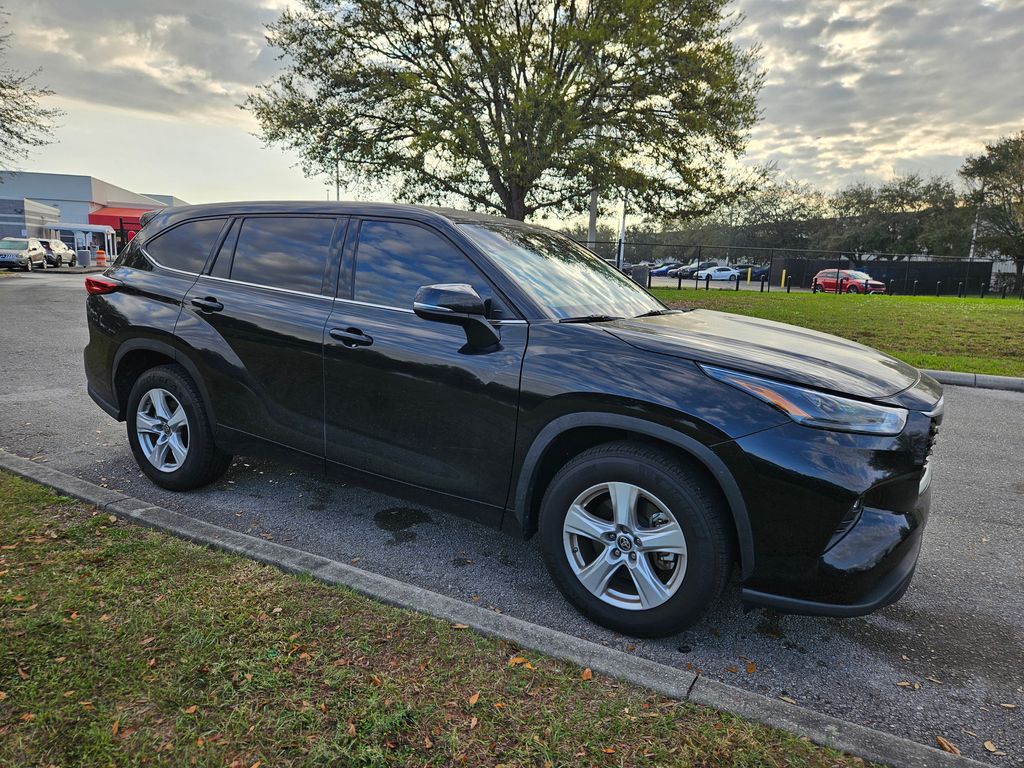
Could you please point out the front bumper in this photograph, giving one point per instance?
(11, 261)
(837, 518)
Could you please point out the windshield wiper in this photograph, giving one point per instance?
(655, 312)
(589, 319)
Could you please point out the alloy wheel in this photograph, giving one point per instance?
(163, 430)
(625, 546)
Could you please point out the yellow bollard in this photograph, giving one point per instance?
(783, 283)
(750, 271)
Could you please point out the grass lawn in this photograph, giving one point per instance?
(972, 335)
(122, 646)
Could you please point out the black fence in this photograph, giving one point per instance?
(917, 274)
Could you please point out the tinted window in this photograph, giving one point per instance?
(132, 257)
(186, 247)
(284, 252)
(222, 264)
(394, 259)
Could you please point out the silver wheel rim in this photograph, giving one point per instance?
(162, 429)
(625, 546)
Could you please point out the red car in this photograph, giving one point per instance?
(849, 281)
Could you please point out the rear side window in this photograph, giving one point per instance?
(393, 259)
(283, 252)
(187, 246)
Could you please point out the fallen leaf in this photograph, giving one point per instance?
(1008, 706)
(732, 669)
(751, 667)
(257, 764)
(191, 710)
(460, 626)
(22, 674)
(276, 610)
(787, 699)
(28, 717)
(293, 636)
(588, 674)
(351, 728)
(427, 743)
(114, 727)
(199, 741)
(990, 746)
(474, 699)
(105, 617)
(151, 663)
(61, 659)
(608, 751)
(947, 745)
(903, 684)
(147, 640)
(112, 518)
(2, 695)
(375, 679)
(516, 661)
(499, 705)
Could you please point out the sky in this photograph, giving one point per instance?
(855, 91)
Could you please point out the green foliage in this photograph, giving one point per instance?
(24, 124)
(999, 174)
(516, 106)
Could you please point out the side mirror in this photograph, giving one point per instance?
(457, 304)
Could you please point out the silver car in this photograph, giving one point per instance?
(23, 253)
(58, 253)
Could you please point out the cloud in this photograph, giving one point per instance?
(855, 89)
(863, 89)
(188, 58)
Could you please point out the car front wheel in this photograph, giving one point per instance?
(169, 432)
(635, 538)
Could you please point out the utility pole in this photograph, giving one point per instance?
(337, 179)
(592, 228)
(974, 233)
(620, 257)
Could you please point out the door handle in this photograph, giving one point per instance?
(351, 337)
(209, 304)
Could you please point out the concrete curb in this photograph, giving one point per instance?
(981, 380)
(822, 729)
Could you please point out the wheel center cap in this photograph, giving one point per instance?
(625, 543)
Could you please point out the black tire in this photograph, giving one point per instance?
(28, 265)
(852, 289)
(60, 262)
(204, 462)
(73, 262)
(697, 508)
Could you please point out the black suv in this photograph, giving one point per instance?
(504, 372)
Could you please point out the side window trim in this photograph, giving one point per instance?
(162, 232)
(351, 259)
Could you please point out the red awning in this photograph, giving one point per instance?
(112, 217)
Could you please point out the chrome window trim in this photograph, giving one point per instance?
(514, 321)
(156, 263)
(265, 287)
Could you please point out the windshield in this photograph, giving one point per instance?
(13, 244)
(565, 278)
(858, 275)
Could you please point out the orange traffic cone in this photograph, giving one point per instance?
(101, 258)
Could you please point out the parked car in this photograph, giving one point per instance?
(25, 253)
(504, 372)
(846, 281)
(661, 270)
(687, 271)
(58, 252)
(718, 273)
(756, 271)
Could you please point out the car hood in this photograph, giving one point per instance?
(776, 350)
(12, 252)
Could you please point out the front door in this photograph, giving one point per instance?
(406, 399)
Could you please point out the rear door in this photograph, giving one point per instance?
(256, 319)
(411, 402)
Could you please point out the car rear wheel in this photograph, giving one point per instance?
(28, 265)
(635, 539)
(169, 432)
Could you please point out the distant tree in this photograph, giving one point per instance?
(516, 106)
(25, 125)
(909, 214)
(998, 179)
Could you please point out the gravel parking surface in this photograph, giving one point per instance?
(941, 662)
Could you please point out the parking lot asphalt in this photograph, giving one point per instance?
(941, 662)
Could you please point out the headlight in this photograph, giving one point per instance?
(817, 409)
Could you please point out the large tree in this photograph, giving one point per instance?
(516, 106)
(24, 123)
(998, 179)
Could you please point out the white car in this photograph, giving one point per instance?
(719, 273)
